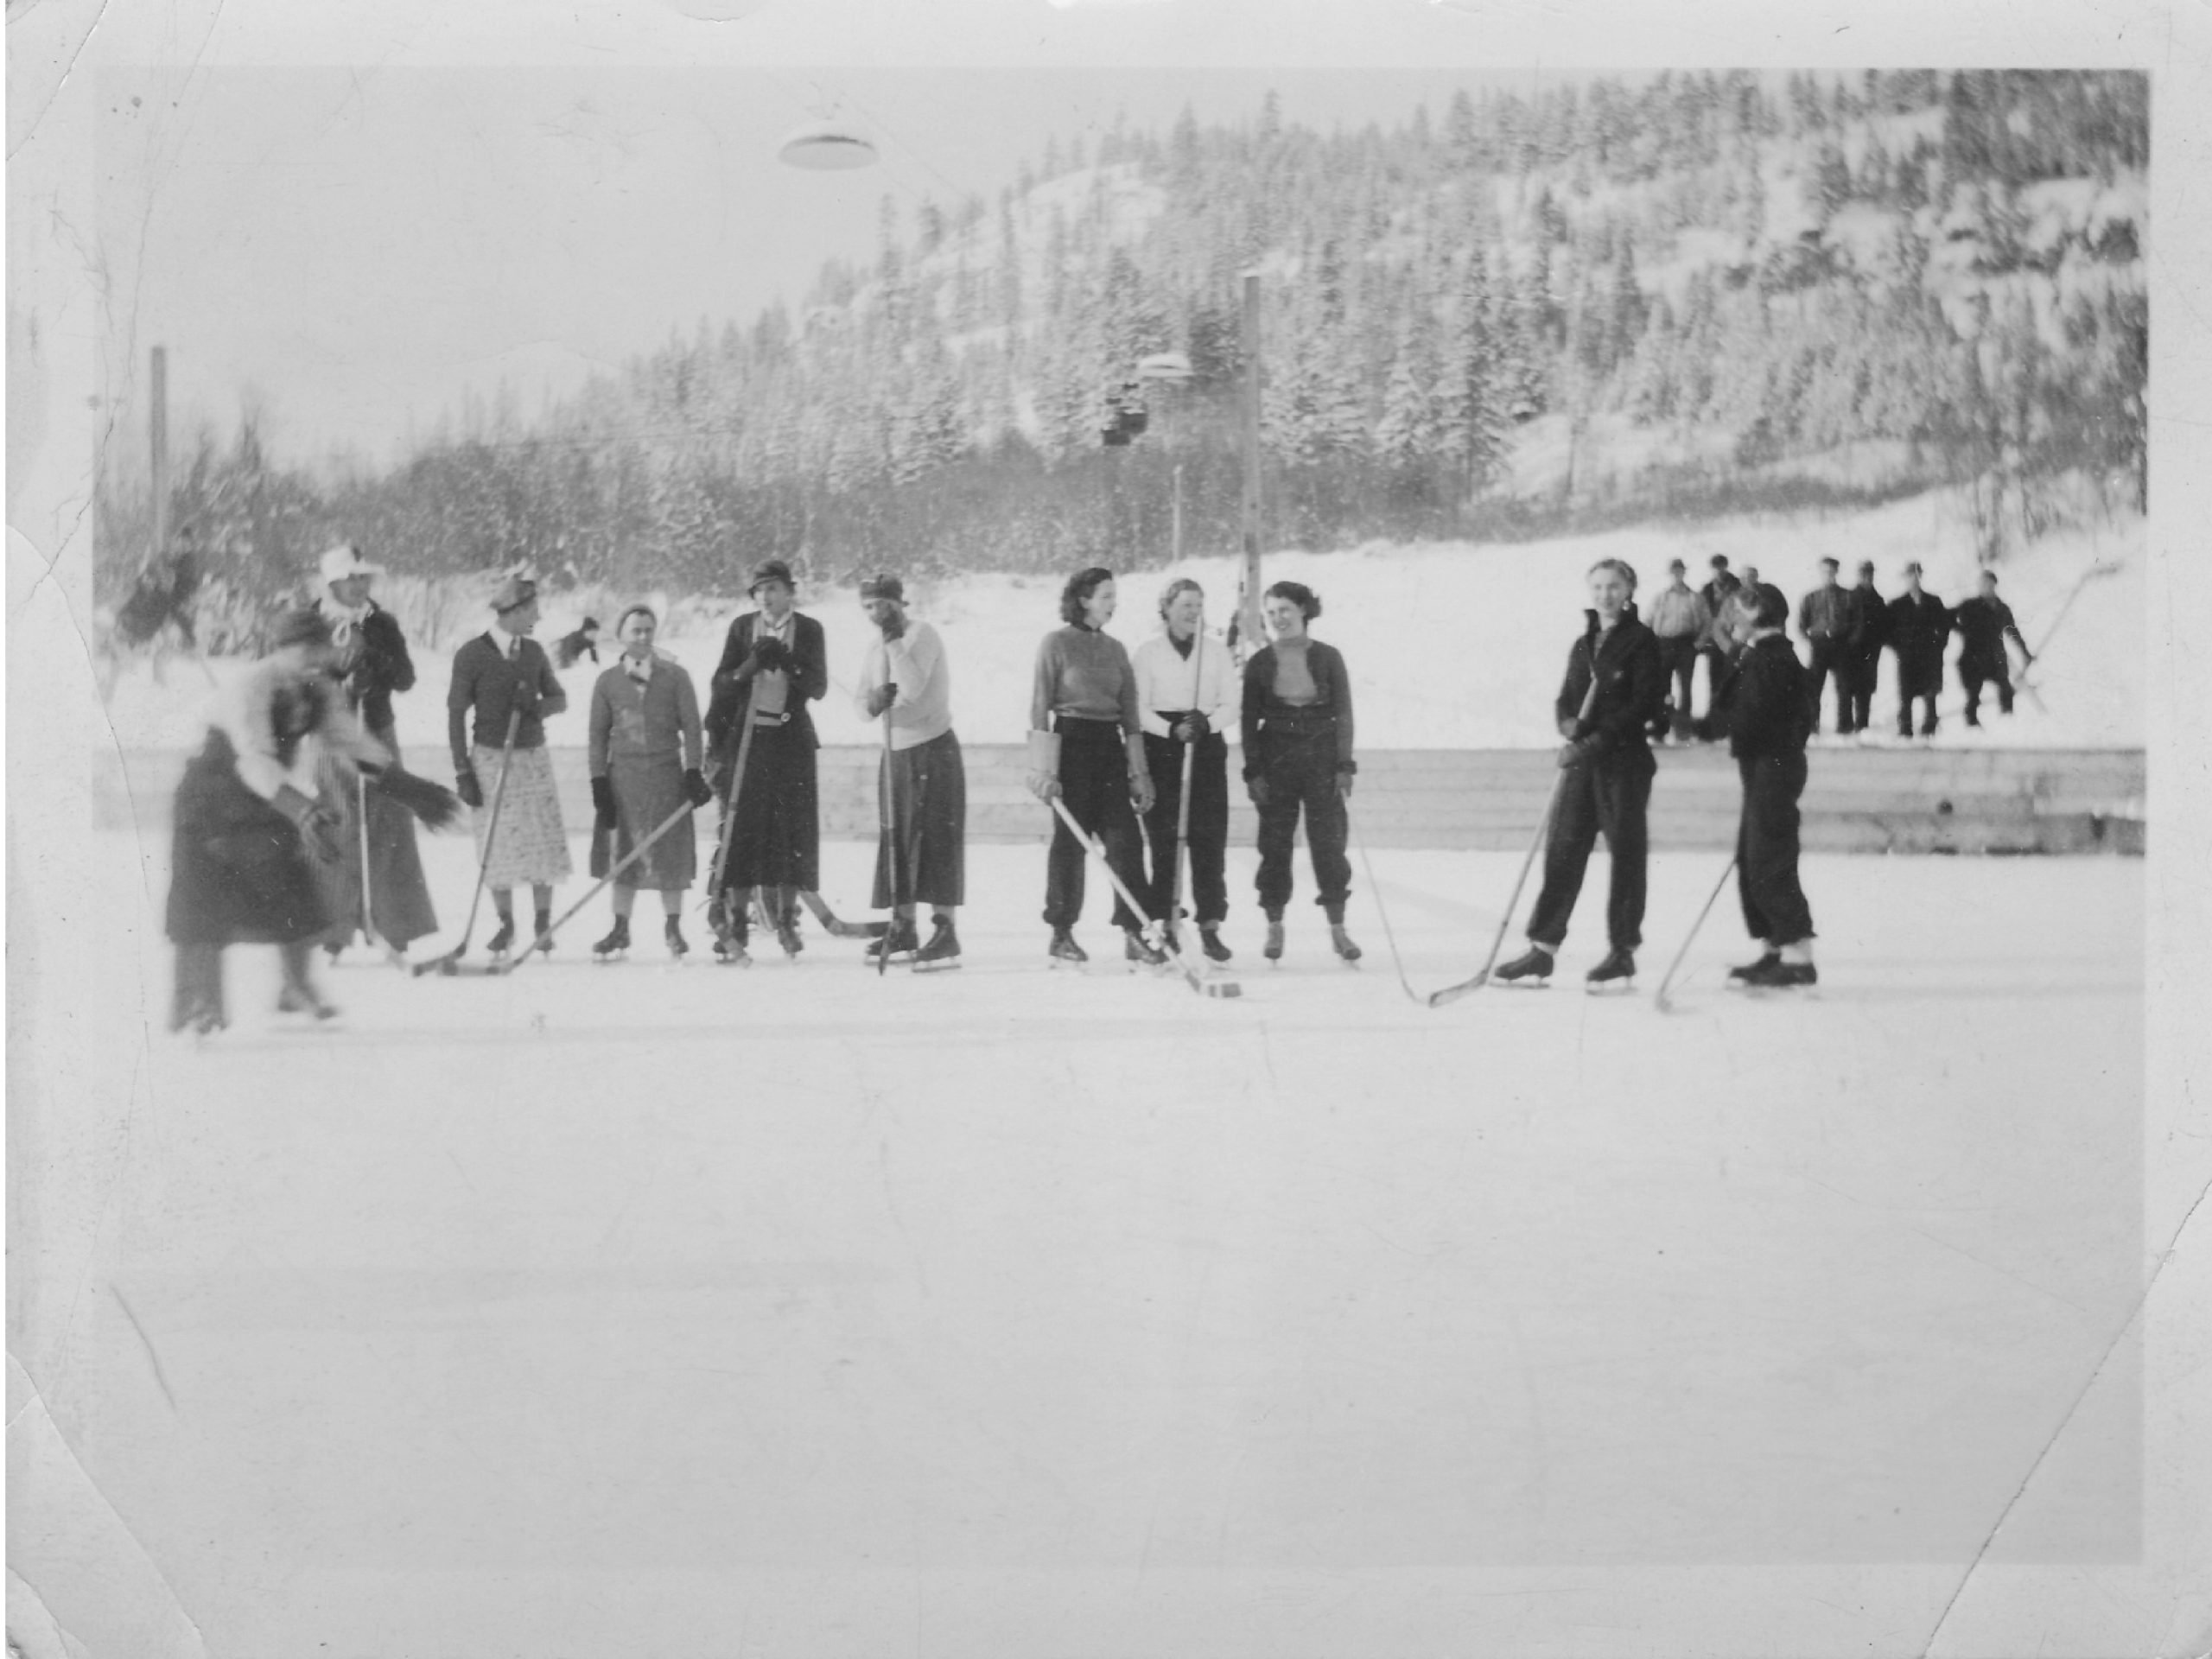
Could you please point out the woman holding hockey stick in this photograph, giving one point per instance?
(245, 823)
(1086, 745)
(1186, 682)
(1609, 767)
(645, 759)
(1297, 757)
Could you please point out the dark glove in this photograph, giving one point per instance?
(696, 789)
(466, 786)
(881, 697)
(527, 697)
(602, 802)
(434, 803)
(1192, 727)
(1574, 753)
(1257, 787)
(318, 826)
(895, 628)
(772, 654)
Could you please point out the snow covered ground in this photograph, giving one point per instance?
(1450, 645)
(649, 1310)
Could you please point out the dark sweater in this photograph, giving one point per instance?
(807, 673)
(485, 679)
(1764, 700)
(1983, 625)
(377, 666)
(1631, 685)
(1330, 709)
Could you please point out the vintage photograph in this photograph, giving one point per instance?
(1100, 829)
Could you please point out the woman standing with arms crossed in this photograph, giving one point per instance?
(1185, 684)
(1298, 756)
(645, 760)
(1086, 745)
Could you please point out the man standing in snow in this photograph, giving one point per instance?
(1824, 618)
(1984, 623)
(1870, 631)
(1714, 647)
(1919, 626)
(1681, 620)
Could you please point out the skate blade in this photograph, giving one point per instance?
(1610, 987)
(1521, 984)
(943, 965)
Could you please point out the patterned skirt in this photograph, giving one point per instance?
(532, 846)
(647, 791)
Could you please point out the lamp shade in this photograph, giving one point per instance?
(827, 147)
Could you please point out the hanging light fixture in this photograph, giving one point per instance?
(827, 147)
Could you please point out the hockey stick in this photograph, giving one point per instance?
(396, 958)
(1201, 982)
(1390, 936)
(1454, 993)
(450, 963)
(836, 928)
(887, 811)
(716, 894)
(2103, 567)
(1182, 838)
(1659, 997)
(545, 935)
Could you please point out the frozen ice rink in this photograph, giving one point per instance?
(685, 1311)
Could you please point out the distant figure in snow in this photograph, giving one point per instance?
(1186, 694)
(1824, 617)
(1298, 756)
(646, 763)
(1984, 623)
(1682, 622)
(162, 597)
(1713, 646)
(1919, 626)
(579, 643)
(1607, 758)
(1870, 631)
(1766, 709)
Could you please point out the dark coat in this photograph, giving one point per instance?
(375, 665)
(808, 674)
(1983, 625)
(1919, 629)
(1329, 714)
(1870, 622)
(1764, 702)
(1631, 689)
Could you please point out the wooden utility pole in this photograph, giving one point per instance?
(1249, 629)
(158, 436)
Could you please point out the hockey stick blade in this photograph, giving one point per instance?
(836, 927)
(1452, 993)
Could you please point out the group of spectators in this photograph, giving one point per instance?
(1845, 630)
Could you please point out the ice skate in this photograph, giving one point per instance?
(616, 945)
(787, 934)
(501, 942)
(1210, 942)
(1751, 971)
(1616, 974)
(1141, 953)
(540, 938)
(729, 950)
(1774, 974)
(1341, 942)
(1064, 951)
(943, 951)
(902, 942)
(671, 935)
(1529, 970)
(1273, 949)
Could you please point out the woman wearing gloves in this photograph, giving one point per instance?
(775, 662)
(246, 828)
(1086, 745)
(1615, 687)
(645, 760)
(1186, 682)
(1298, 756)
(505, 676)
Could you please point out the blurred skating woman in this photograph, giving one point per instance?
(1298, 756)
(1086, 745)
(645, 761)
(245, 823)
(1607, 758)
(1186, 685)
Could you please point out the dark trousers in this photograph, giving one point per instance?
(1974, 675)
(1766, 850)
(1913, 689)
(1863, 669)
(927, 795)
(1831, 660)
(1208, 830)
(1607, 796)
(1301, 773)
(1678, 658)
(1095, 785)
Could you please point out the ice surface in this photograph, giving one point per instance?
(621, 1308)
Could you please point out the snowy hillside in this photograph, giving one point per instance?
(1450, 645)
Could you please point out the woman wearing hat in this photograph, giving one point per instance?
(774, 662)
(1086, 745)
(246, 829)
(504, 678)
(905, 678)
(1297, 757)
(369, 656)
(645, 763)
(1186, 694)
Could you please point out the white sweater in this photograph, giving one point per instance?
(1205, 681)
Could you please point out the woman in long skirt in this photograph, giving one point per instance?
(774, 662)
(1298, 758)
(246, 829)
(1086, 745)
(1609, 768)
(645, 761)
(389, 900)
(1187, 691)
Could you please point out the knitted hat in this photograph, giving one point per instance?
(770, 570)
(878, 586)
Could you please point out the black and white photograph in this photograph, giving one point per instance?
(1106, 828)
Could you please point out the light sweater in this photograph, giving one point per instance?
(1083, 673)
(915, 663)
(1204, 682)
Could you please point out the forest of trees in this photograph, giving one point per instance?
(1753, 273)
